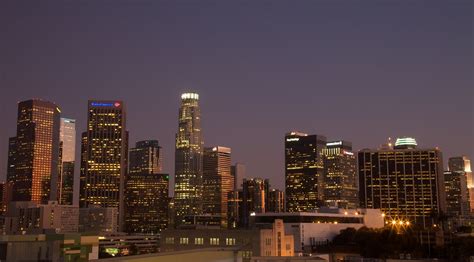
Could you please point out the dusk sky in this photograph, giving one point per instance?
(360, 71)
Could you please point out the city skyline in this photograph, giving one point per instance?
(245, 71)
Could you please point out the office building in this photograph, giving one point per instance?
(104, 156)
(340, 175)
(188, 159)
(34, 152)
(254, 197)
(98, 220)
(463, 164)
(238, 172)
(457, 194)
(275, 201)
(304, 171)
(234, 209)
(67, 156)
(146, 202)
(405, 182)
(217, 181)
(145, 158)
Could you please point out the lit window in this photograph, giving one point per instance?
(183, 240)
(199, 241)
(169, 240)
(230, 241)
(213, 241)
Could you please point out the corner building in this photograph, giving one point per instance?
(405, 182)
(304, 171)
(104, 150)
(188, 159)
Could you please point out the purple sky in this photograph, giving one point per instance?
(356, 70)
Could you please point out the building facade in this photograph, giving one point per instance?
(104, 156)
(217, 181)
(188, 159)
(304, 171)
(457, 194)
(34, 152)
(146, 158)
(238, 172)
(404, 182)
(67, 156)
(340, 175)
(254, 198)
(275, 201)
(463, 164)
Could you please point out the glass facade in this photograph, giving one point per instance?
(67, 155)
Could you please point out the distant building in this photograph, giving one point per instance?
(104, 156)
(146, 202)
(217, 181)
(238, 171)
(310, 228)
(340, 175)
(254, 197)
(457, 194)
(34, 152)
(304, 171)
(97, 219)
(463, 164)
(188, 159)
(234, 209)
(404, 182)
(32, 218)
(67, 156)
(146, 158)
(275, 201)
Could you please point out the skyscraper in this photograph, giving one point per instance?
(67, 155)
(406, 183)
(463, 164)
(188, 159)
(238, 172)
(304, 171)
(254, 197)
(457, 195)
(275, 201)
(146, 157)
(217, 181)
(340, 175)
(36, 152)
(104, 156)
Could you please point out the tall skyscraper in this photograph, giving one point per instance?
(304, 171)
(67, 155)
(406, 183)
(238, 172)
(275, 201)
(146, 157)
(457, 195)
(104, 156)
(11, 157)
(254, 197)
(188, 159)
(340, 175)
(217, 181)
(36, 152)
(463, 164)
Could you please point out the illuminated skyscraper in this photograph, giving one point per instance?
(304, 171)
(463, 164)
(275, 201)
(104, 156)
(34, 167)
(188, 159)
(67, 155)
(340, 175)
(457, 195)
(145, 157)
(254, 197)
(406, 183)
(217, 181)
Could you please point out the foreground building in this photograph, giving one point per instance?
(34, 152)
(405, 182)
(304, 171)
(188, 159)
(104, 156)
(340, 175)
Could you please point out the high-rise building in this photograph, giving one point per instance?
(238, 172)
(405, 182)
(463, 164)
(35, 152)
(457, 195)
(11, 157)
(275, 201)
(104, 156)
(254, 197)
(146, 203)
(67, 155)
(234, 209)
(304, 171)
(217, 181)
(146, 157)
(340, 175)
(188, 159)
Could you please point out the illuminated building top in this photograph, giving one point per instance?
(193, 96)
(405, 143)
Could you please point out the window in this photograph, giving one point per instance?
(268, 241)
(199, 241)
(169, 240)
(230, 241)
(184, 240)
(214, 241)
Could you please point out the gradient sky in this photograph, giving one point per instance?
(355, 70)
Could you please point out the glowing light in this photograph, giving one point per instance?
(345, 213)
(292, 139)
(383, 214)
(252, 214)
(394, 222)
(190, 96)
(407, 223)
(336, 143)
(404, 141)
